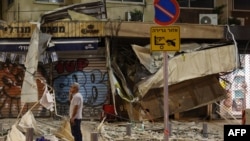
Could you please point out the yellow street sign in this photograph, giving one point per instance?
(165, 38)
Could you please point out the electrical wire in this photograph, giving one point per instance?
(235, 44)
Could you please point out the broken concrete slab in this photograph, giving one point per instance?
(183, 96)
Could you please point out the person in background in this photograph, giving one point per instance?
(75, 111)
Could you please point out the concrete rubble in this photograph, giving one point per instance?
(119, 131)
(184, 131)
(149, 131)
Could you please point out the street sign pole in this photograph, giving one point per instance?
(166, 108)
(165, 39)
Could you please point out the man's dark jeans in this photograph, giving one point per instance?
(76, 130)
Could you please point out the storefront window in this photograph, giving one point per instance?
(241, 5)
(196, 3)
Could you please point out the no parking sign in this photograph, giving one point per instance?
(165, 38)
(166, 11)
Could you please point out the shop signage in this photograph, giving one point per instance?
(56, 29)
(165, 38)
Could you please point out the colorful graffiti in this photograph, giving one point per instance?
(93, 88)
(11, 78)
(71, 66)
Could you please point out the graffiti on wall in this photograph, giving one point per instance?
(93, 85)
(71, 66)
(11, 78)
(93, 88)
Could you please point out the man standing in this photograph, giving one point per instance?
(75, 111)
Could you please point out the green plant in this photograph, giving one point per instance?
(136, 15)
(219, 11)
(233, 21)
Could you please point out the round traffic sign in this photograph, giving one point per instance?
(166, 11)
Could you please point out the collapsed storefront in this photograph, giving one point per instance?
(90, 52)
(88, 58)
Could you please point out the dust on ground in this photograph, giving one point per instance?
(185, 130)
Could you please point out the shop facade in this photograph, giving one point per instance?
(77, 53)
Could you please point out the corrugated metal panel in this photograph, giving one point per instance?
(11, 79)
(88, 68)
(85, 66)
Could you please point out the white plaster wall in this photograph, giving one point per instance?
(27, 10)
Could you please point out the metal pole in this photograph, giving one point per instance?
(166, 127)
(29, 134)
(128, 129)
(94, 136)
(204, 126)
(170, 129)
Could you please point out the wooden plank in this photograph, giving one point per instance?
(54, 29)
(72, 29)
(78, 29)
(48, 28)
(26, 29)
(209, 111)
(88, 29)
(107, 28)
(3, 26)
(177, 116)
(139, 29)
(9, 31)
(205, 89)
(198, 31)
(62, 29)
(17, 30)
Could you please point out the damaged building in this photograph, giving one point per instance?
(111, 59)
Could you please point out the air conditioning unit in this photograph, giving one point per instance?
(211, 19)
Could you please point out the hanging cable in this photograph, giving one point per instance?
(235, 44)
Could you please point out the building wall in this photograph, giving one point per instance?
(88, 69)
(23, 10)
(119, 10)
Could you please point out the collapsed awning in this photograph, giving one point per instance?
(21, 45)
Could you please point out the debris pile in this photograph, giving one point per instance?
(186, 131)
(146, 131)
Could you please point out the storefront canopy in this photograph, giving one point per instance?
(22, 45)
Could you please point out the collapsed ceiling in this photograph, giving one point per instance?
(193, 78)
